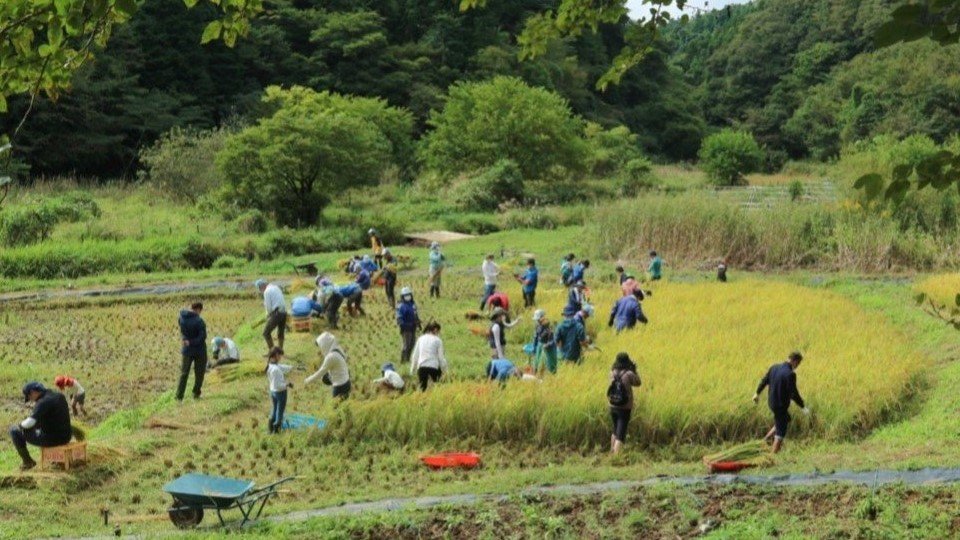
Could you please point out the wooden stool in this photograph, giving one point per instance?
(301, 324)
(66, 454)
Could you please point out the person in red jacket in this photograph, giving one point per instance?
(498, 300)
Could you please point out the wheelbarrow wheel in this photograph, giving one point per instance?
(186, 517)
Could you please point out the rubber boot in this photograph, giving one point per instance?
(28, 462)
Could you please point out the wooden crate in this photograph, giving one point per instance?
(301, 324)
(66, 455)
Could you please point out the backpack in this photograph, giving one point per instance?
(617, 392)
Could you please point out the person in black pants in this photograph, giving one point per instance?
(782, 380)
(48, 425)
(623, 372)
(193, 333)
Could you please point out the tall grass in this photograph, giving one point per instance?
(700, 359)
(699, 229)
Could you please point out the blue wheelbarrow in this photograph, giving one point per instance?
(193, 493)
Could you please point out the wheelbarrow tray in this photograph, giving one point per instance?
(192, 493)
(208, 491)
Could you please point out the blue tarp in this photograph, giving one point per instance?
(302, 421)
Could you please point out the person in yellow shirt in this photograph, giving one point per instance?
(376, 245)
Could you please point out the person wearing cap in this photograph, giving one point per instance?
(623, 371)
(225, 351)
(782, 380)
(48, 425)
(566, 269)
(497, 338)
(528, 281)
(408, 321)
(545, 344)
(276, 307)
(490, 271)
(655, 270)
(78, 396)
(333, 370)
(328, 296)
(390, 380)
(571, 336)
(437, 262)
(580, 271)
(277, 379)
(428, 360)
(577, 296)
(376, 246)
(389, 274)
(626, 312)
(193, 335)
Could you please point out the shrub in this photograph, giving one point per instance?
(610, 149)
(529, 218)
(252, 222)
(27, 225)
(503, 118)
(200, 254)
(472, 223)
(635, 176)
(182, 162)
(728, 155)
(498, 184)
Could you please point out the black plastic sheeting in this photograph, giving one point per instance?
(921, 477)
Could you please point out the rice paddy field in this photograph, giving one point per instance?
(878, 376)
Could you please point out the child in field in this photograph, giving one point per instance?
(566, 269)
(277, 377)
(545, 345)
(78, 396)
(390, 380)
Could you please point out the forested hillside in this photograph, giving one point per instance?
(155, 75)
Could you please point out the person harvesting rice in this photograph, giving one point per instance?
(782, 380)
(277, 377)
(334, 367)
(428, 361)
(437, 262)
(623, 377)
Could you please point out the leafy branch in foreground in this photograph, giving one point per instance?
(44, 42)
(938, 20)
(573, 17)
(949, 315)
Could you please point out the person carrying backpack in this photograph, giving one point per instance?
(623, 377)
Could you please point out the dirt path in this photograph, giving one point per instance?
(922, 477)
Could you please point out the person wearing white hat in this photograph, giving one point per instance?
(437, 262)
(408, 320)
(545, 342)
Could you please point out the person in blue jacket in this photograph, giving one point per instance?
(368, 264)
(363, 278)
(304, 306)
(408, 320)
(577, 296)
(193, 334)
(501, 370)
(529, 283)
(353, 295)
(626, 312)
(580, 271)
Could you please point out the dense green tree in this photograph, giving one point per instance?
(293, 162)
(503, 118)
(728, 155)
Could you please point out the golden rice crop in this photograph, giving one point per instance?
(941, 289)
(700, 360)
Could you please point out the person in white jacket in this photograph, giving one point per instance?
(334, 366)
(277, 377)
(490, 272)
(428, 360)
(390, 380)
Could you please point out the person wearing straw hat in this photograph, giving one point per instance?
(437, 262)
(545, 343)
(48, 424)
(390, 380)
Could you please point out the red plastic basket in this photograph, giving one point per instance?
(449, 460)
(729, 466)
